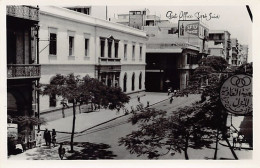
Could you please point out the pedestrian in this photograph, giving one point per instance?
(148, 104)
(169, 91)
(171, 99)
(61, 151)
(54, 134)
(38, 139)
(49, 139)
(234, 135)
(240, 140)
(138, 98)
(45, 136)
(117, 110)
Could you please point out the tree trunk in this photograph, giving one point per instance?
(216, 149)
(79, 109)
(73, 126)
(186, 148)
(63, 114)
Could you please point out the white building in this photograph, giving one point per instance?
(216, 49)
(73, 42)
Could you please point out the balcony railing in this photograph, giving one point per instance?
(20, 71)
(25, 12)
(109, 61)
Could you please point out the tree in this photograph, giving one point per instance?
(193, 126)
(77, 90)
(69, 88)
(159, 134)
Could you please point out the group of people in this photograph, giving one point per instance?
(50, 138)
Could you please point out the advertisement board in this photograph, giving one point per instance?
(12, 130)
(188, 27)
(236, 94)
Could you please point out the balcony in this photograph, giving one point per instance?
(24, 12)
(109, 61)
(23, 71)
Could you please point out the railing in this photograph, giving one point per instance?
(17, 71)
(109, 61)
(25, 12)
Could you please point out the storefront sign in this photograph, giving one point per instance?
(12, 130)
(236, 94)
(192, 28)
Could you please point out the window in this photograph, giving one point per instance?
(102, 47)
(116, 49)
(109, 48)
(71, 45)
(125, 51)
(133, 52)
(52, 100)
(133, 82)
(141, 51)
(140, 81)
(86, 11)
(53, 44)
(86, 47)
(125, 83)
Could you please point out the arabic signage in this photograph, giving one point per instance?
(12, 130)
(236, 94)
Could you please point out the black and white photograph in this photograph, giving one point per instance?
(128, 82)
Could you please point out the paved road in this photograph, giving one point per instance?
(109, 133)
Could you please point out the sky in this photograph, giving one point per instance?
(235, 18)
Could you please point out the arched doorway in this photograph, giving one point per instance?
(133, 82)
(140, 80)
(125, 83)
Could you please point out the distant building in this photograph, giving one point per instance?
(216, 49)
(222, 37)
(73, 42)
(23, 69)
(94, 11)
(138, 19)
(235, 52)
(244, 54)
(173, 53)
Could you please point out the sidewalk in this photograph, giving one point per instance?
(87, 120)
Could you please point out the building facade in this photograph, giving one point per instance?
(23, 69)
(72, 42)
(222, 37)
(216, 49)
(235, 52)
(172, 56)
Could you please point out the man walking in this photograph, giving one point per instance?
(234, 135)
(171, 99)
(45, 136)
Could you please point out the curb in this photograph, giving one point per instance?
(250, 148)
(65, 132)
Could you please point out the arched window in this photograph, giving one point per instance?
(140, 80)
(133, 82)
(125, 83)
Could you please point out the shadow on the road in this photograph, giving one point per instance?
(91, 151)
(43, 153)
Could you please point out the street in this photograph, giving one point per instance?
(110, 133)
